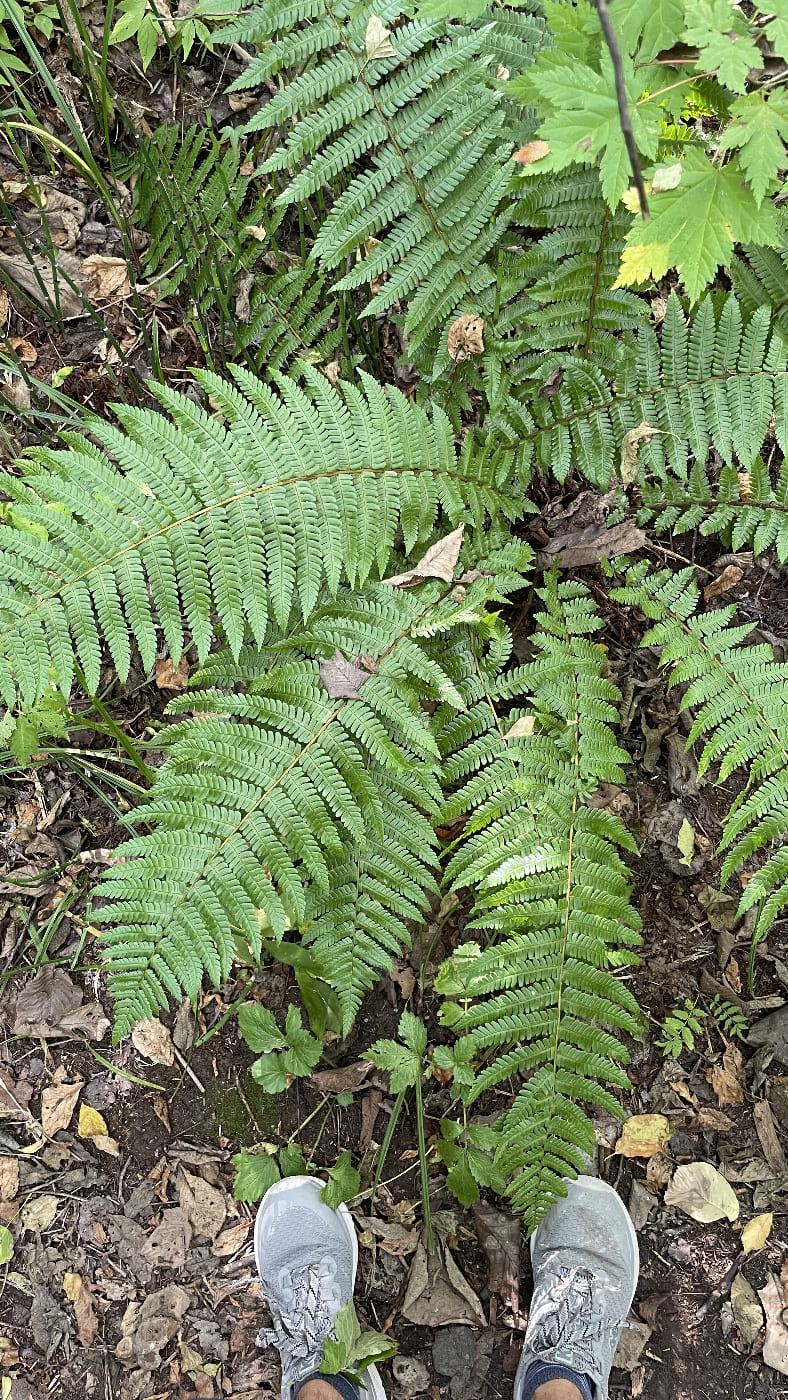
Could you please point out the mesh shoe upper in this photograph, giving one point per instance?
(585, 1265)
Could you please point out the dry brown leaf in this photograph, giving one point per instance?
(634, 1337)
(152, 1040)
(149, 1326)
(394, 1238)
(499, 1237)
(38, 1212)
(26, 352)
(4, 306)
(168, 1246)
(231, 1240)
(170, 678)
(522, 728)
(440, 561)
(34, 272)
(377, 40)
(775, 1346)
(465, 338)
(531, 152)
(437, 1294)
(342, 1081)
(701, 1192)
(767, 1136)
(756, 1232)
(204, 1206)
(341, 678)
(78, 1291)
(644, 1135)
(15, 1095)
(9, 1178)
(105, 277)
(46, 998)
(730, 576)
(15, 391)
(162, 1111)
(725, 1079)
(58, 1102)
(629, 462)
(711, 1120)
(578, 548)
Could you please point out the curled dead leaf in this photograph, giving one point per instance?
(440, 561)
(465, 338)
(153, 1040)
(644, 1135)
(531, 152)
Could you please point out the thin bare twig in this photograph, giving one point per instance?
(623, 108)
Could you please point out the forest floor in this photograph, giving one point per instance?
(132, 1273)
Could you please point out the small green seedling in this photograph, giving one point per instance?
(680, 1028)
(351, 1351)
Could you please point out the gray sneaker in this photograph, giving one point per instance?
(306, 1257)
(585, 1261)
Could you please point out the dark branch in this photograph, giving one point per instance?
(623, 109)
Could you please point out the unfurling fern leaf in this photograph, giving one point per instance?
(275, 803)
(550, 890)
(415, 126)
(197, 521)
(737, 693)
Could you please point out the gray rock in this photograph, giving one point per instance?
(411, 1375)
(454, 1350)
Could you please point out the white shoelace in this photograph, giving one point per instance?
(311, 1300)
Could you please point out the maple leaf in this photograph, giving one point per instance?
(694, 226)
(646, 26)
(584, 124)
(777, 28)
(759, 127)
(723, 37)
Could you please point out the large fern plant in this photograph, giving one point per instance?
(550, 892)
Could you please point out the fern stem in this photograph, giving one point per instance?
(425, 1186)
(115, 729)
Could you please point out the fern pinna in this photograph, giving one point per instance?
(209, 521)
(296, 803)
(550, 891)
(737, 693)
(406, 113)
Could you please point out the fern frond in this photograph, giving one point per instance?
(711, 383)
(417, 136)
(550, 889)
(737, 693)
(198, 521)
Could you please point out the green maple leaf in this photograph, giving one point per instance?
(694, 226)
(726, 43)
(584, 127)
(646, 26)
(343, 1183)
(777, 28)
(759, 127)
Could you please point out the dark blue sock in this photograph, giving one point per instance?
(346, 1388)
(542, 1372)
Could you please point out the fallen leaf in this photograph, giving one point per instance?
(377, 40)
(440, 561)
(634, 1337)
(756, 1232)
(32, 272)
(5, 306)
(499, 1237)
(465, 338)
(437, 1294)
(686, 842)
(341, 678)
(151, 1326)
(170, 678)
(650, 1306)
(46, 998)
(204, 1206)
(342, 1081)
(26, 352)
(87, 1020)
(15, 391)
(767, 1136)
(730, 576)
(14, 1096)
(90, 1123)
(394, 1238)
(747, 1312)
(58, 1102)
(168, 1246)
(105, 277)
(531, 152)
(630, 443)
(229, 1241)
(9, 1178)
(722, 910)
(641, 1204)
(775, 1346)
(724, 1079)
(732, 975)
(644, 1135)
(701, 1192)
(710, 1120)
(153, 1040)
(522, 728)
(38, 1212)
(578, 548)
